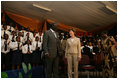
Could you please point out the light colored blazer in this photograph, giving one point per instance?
(73, 47)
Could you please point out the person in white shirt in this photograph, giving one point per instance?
(90, 46)
(34, 36)
(5, 49)
(12, 36)
(10, 27)
(27, 52)
(30, 33)
(21, 38)
(16, 30)
(82, 46)
(24, 32)
(36, 57)
(40, 35)
(28, 36)
(17, 53)
(4, 31)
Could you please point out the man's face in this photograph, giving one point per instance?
(54, 27)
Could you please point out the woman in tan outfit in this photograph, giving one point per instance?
(73, 53)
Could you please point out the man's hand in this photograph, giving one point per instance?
(47, 55)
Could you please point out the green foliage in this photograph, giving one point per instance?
(20, 75)
(4, 75)
(29, 66)
(27, 69)
(24, 67)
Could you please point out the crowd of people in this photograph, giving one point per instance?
(19, 46)
(94, 45)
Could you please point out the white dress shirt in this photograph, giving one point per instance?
(40, 36)
(11, 36)
(3, 46)
(6, 32)
(12, 28)
(72, 39)
(22, 39)
(82, 48)
(91, 48)
(14, 45)
(54, 33)
(34, 44)
(30, 36)
(24, 33)
(25, 49)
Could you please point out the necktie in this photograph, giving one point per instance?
(23, 34)
(18, 45)
(40, 38)
(10, 29)
(37, 44)
(28, 48)
(4, 33)
(28, 37)
(5, 47)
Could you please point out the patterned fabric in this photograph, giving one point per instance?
(110, 62)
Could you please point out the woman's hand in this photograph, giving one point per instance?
(79, 59)
(65, 55)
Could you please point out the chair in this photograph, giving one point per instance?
(85, 64)
(99, 58)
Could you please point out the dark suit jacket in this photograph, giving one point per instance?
(51, 44)
(87, 51)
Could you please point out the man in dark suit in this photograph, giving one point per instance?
(52, 48)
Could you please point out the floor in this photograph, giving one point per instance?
(86, 74)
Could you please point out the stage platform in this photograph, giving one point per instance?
(37, 72)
